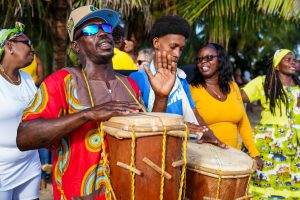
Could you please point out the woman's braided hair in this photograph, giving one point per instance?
(273, 87)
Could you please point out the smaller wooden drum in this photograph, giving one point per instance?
(216, 173)
(146, 140)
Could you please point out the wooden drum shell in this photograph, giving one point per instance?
(147, 186)
(208, 164)
(200, 186)
(148, 143)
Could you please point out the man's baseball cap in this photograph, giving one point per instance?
(84, 13)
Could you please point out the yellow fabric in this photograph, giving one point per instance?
(255, 92)
(32, 69)
(122, 61)
(278, 56)
(226, 119)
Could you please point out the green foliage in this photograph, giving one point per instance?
(33, 13)
(249, 29)
(248, 15)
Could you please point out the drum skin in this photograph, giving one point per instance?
(147, 186)
(206, 162)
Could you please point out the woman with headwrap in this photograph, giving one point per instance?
(19, 171)
(276, 135)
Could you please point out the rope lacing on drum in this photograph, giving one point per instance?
(219, 164)
(182, 187)
(132, 164)
(132, 95)
(163, 164)
(248, 183)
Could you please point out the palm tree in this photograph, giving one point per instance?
(221, 18)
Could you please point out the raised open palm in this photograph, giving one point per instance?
(163, 81)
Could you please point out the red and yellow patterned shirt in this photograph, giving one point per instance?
(77, 168)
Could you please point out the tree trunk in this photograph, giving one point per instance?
(60, 10)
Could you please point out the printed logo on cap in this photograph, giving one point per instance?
(70, 25)
(92, 8)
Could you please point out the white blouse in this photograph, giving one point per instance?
(16, 167)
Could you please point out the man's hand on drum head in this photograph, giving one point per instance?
(207, 135)
(259, 162)
(107, 110)
(163, 81)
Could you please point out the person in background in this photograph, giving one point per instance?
(215, 92)
(121, 60)
(247, 76)
(168, 36)
(130, 48)
(144, 58)
(35, 69)
(276, 134)
(19, 171)
(298, 67)
(238, 78)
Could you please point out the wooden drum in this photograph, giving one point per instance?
(138, 145)
(215, 173)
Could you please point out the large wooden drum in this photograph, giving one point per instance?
(215, 173)
(139, 147)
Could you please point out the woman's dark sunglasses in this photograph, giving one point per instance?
(139, 62)
(205, 58)
(27, 42)
(93, 29)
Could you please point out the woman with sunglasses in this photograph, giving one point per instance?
(218, 99)
(276, 134)
(19, 171)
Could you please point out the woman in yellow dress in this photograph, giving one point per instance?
(218, 99)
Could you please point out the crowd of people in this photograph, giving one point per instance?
(63, 113)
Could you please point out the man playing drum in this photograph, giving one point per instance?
(69, 102)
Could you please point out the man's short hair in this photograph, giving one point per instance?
(170, 25)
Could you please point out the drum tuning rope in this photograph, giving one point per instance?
(132, 95)
(163, 164)
(248, 183)
(219, 184)
(103, 148)
(182, 187)
(132, 164)
(217, 159)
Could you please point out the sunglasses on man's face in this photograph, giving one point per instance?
(93, 29)
(27, 42)
(207, 58)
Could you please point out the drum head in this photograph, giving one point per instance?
(212, 159)
(145, 124)
(149, 119)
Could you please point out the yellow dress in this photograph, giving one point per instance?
(32, 69)
(226, 119)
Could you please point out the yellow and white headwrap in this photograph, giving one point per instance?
(279, 55)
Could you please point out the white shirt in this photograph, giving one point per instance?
(16, 167)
